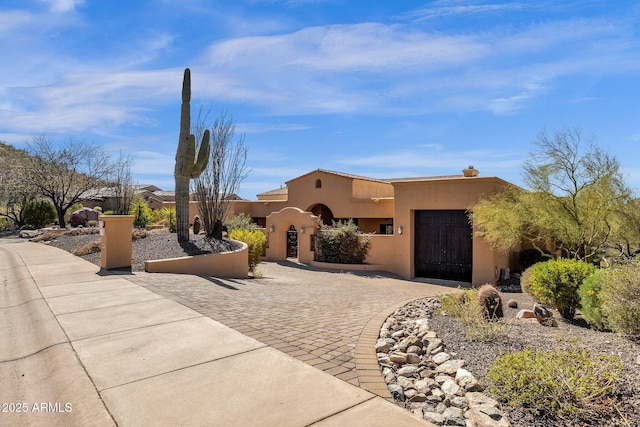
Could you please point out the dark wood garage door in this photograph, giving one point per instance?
(443, 245)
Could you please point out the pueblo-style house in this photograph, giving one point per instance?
(421, 225)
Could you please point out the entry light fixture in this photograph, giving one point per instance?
(302, 229)
(272, 228)
(400, 230)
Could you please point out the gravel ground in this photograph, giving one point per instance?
(479, 356)
(156, 245)
(625, 411)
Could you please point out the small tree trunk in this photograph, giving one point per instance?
(61, 222)
(217, 230)
(182, 208)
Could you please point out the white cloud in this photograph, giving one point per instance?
(436, 158)
(63, 5)
(449, 9)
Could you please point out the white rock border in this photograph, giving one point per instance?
(427, 380)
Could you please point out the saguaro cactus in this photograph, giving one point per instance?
(187, 165)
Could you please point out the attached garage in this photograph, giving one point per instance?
(443, 245)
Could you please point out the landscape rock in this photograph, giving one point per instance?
(82, 216)
(450, 367)
(407, 370)
(424, 379)
(526, 314)
(541, 313)
(466, 380)
(434, 417)
(441, 357)
(450, 388)
(383, 345)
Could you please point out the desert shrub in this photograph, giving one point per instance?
(342, 243)
(155, 216)
(620, 298)
(169, 219)
(560, 383)
(241, 221)
(590, 301)
(465, 306)
(529, 257)
(256, 240)
(141, 213)
(39, 213)
(5, 224)
(556, 282)
(524, 280)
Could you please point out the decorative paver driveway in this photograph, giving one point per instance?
(316, 316)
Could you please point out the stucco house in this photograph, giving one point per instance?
(421, 225)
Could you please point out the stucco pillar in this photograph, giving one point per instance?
(116, 241)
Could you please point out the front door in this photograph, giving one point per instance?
(443, 245)
(292, 243)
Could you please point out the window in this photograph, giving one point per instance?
(386, 228)
(318, 183)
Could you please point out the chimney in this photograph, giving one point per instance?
(470, 172)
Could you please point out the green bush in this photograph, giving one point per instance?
(556, 282)
(524, 280)
(465, 306)
(108, 213)
(590, 301)
(620, 298)
(5, 224)
(529, 257)
(169, 219)
(256, 240)
(39, 213)
(561, 383)
(141, 213)
(241, 221)
(342, 243)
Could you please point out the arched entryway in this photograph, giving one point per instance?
(292, 242)
(323, 212)
(289, 233)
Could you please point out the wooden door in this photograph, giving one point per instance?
(443, 245)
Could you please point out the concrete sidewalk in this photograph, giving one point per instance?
(84, 348)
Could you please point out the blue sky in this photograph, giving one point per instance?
(376, 88)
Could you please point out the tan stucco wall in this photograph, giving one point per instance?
(337, 193)
(227, 264)
(381, 251)
(280, 222)
(453, 194)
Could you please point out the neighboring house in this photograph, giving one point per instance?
(421, 225)
(105, 197)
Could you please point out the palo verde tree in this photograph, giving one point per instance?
(63, 173)
(218, 184)
(187, 166)
(577, 200)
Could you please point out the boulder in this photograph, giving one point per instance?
(82, 216)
